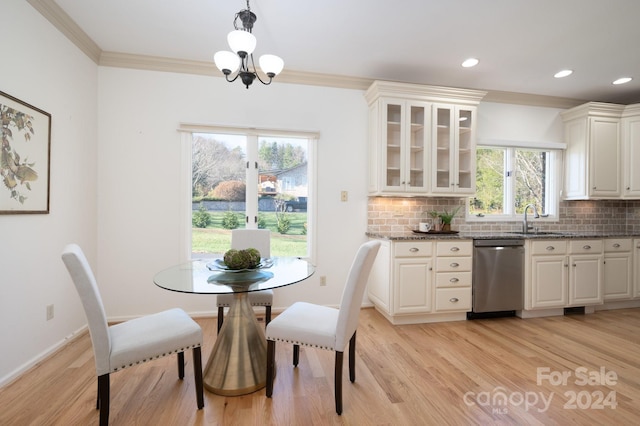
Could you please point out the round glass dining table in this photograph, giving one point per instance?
(238, 362)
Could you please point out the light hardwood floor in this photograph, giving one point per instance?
(444, 374)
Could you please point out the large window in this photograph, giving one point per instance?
(251, 179)
(510, 178)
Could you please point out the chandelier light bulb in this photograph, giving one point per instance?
(226, 61)
(271, 64)
(242, 41)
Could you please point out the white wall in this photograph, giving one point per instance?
(41, 67)
(139, 177)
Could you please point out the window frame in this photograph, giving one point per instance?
(554, 180)
(187, 131)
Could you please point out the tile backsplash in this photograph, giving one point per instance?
(391, 214)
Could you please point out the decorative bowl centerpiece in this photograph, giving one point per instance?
(240, 261)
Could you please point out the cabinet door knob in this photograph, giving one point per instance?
(586, 247)
(550, 248)
(454, 265)
(454, 280)
(455, 249)
(616, 245)
(414, 249)
(453, 300)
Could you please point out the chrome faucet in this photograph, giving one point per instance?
(525, 224)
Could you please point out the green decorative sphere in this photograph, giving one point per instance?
(242, 259)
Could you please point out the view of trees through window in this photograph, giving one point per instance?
(507, 179)
(249, 181)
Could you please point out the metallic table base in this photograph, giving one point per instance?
(238, 362)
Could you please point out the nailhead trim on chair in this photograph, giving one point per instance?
(226, 305)
(156, 357)
(293, 342)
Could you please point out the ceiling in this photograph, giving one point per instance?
(521, 44)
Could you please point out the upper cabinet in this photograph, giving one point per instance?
(631, 151)
(454, 150)
(603, 151)
(422, 139)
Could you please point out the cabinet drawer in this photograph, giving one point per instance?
(413, 249)
(453, 299)
(586, 246)
(617, 244)
(451, 264)
(454, 248)
(549, 247)
(453, 279)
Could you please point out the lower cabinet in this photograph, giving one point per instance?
(401, 284)
(636, 267)
(564, 273)
(618, 269)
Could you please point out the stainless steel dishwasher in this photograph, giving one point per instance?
(498, 276)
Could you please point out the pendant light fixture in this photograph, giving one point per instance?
(242, 42)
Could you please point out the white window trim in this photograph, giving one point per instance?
(555, 185)
(187, 130)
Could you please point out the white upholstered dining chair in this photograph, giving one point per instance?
(132, 342)
(259, 239)
(324, 327)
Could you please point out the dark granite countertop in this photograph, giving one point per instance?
(399, 236)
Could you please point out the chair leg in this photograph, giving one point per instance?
(352, 358)
(296, 355)
(271, 355)
(220, 317)
(181, 365)
(197, 373)
(103, 399)
(267, 315)
(338, 382)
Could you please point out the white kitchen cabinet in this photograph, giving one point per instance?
(453, 150)
(412, 286)
(636, 267)
(565, 273)
(402, 154)
(401, 283)
(453, 276)
(549, 282)
(594, 151)
(401, 132)
(631, 149)
(618, 269)
(586, 272)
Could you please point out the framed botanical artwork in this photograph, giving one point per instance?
(24, 157)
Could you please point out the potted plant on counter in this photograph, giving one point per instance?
(447, 217)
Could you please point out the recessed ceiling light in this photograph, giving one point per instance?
(563, 73)
(622, 80)
(471, 62)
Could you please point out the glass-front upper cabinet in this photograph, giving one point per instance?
(405, 146)
(454, 149)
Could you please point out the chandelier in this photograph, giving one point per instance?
(242, 42)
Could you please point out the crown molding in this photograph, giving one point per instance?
(50, 10)
(63, 22)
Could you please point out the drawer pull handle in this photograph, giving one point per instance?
(550, 248)
(453, 300)
(454, 280)
(414, 249)
(616, 245)
(454, 265)
(586, 247)
(455, 249)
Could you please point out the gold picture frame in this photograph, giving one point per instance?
(25, 153)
